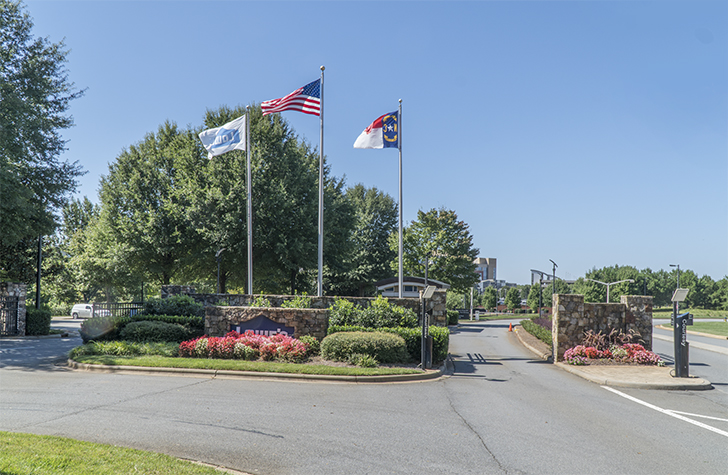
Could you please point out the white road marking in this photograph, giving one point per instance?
(668, 412)
(699, 415)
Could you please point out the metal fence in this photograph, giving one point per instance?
(116, 309)
(9, 305)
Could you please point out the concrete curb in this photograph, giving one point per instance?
(543, 354)
(636, 377)
(691, 332)
(41, 337)
(229, 374)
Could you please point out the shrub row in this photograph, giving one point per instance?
(384, 347)
(111, 328)
(380, 314)
(412, 338)
(537, 330)
(182, 305)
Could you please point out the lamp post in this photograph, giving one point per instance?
(609, 284)
(553, 278)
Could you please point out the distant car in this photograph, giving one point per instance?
(83, 310)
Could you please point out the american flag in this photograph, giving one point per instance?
(306, 99)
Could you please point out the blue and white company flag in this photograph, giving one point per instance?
(230, 136)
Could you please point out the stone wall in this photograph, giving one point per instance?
(435, 306)
(572, 318)
(10, 289)
(305, 321)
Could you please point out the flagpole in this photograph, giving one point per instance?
(399, 143)
(321, 194)
(249, 185)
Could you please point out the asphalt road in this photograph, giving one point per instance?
(500, 412)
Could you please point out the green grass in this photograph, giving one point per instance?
(38, 454)
(712, 328)
(240, 365)
(665, 312)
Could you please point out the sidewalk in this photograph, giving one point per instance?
(624, 376)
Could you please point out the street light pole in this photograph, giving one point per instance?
(553, 278)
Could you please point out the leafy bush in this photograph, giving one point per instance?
(412, 337)
(365, 361)
(276, 347)
(102, 328)
(37, 321)
(382, 346)
(380, 314)
(182, 305)
(452, 317)
(299, 301)
(124, 348)
(538, 331)
(260, 301)
(147, 330)
(313, 346)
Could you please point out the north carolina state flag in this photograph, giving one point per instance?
(382, 133)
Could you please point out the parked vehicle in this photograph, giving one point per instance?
(83, 310)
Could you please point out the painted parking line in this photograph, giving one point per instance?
(670, 413)
(699, 415)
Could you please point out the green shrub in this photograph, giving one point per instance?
(182, 305)
(384, 347)
(537, 330)
(125, 348)
(380, 314)
(365, 361)
(314, 346)
(102, 328)
(260, 301)
(412, 337)
(154, 331)
(452, 317)
(299, 301)
(37, 321)
(195, 325)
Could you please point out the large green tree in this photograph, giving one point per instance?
(375, 215)
(440, 236)
(34, 97)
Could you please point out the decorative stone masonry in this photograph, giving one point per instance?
(435, 306)
(11, 289)
(572, 318)
(305, 321)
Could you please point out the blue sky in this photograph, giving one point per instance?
(592, 133)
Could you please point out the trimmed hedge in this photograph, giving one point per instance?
(412, 337)
(452, 317)
(37, 321)
(382, 346)
(110, 328)
(182, 305)
(154, 331)
(537, 330)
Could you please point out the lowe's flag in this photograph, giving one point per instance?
(230, 136)
(382, 133)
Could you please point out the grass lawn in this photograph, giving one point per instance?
(666, 312)
(713, 328)
(241, 365)
(27, 453)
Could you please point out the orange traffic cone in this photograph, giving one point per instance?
(510, 327)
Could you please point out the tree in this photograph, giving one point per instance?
(375, 215)
(513, 298)
(488, 299)
(446, 241)
(34, 96)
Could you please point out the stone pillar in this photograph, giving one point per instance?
(638, 317)
(567, 323)
(11, 289)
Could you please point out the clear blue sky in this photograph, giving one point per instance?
(590, 133)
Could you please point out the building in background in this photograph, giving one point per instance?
(486, 267)
(412, 286)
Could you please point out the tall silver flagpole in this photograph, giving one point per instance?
(249, 185)
(401, 266)
(321, 194)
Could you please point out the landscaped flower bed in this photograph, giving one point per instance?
(247, 346)
(612, 348)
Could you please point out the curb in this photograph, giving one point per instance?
(691, 332)
(231, 374)
(40, 337)
(544, 355)
(686, 384)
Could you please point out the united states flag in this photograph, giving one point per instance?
(306, 99)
